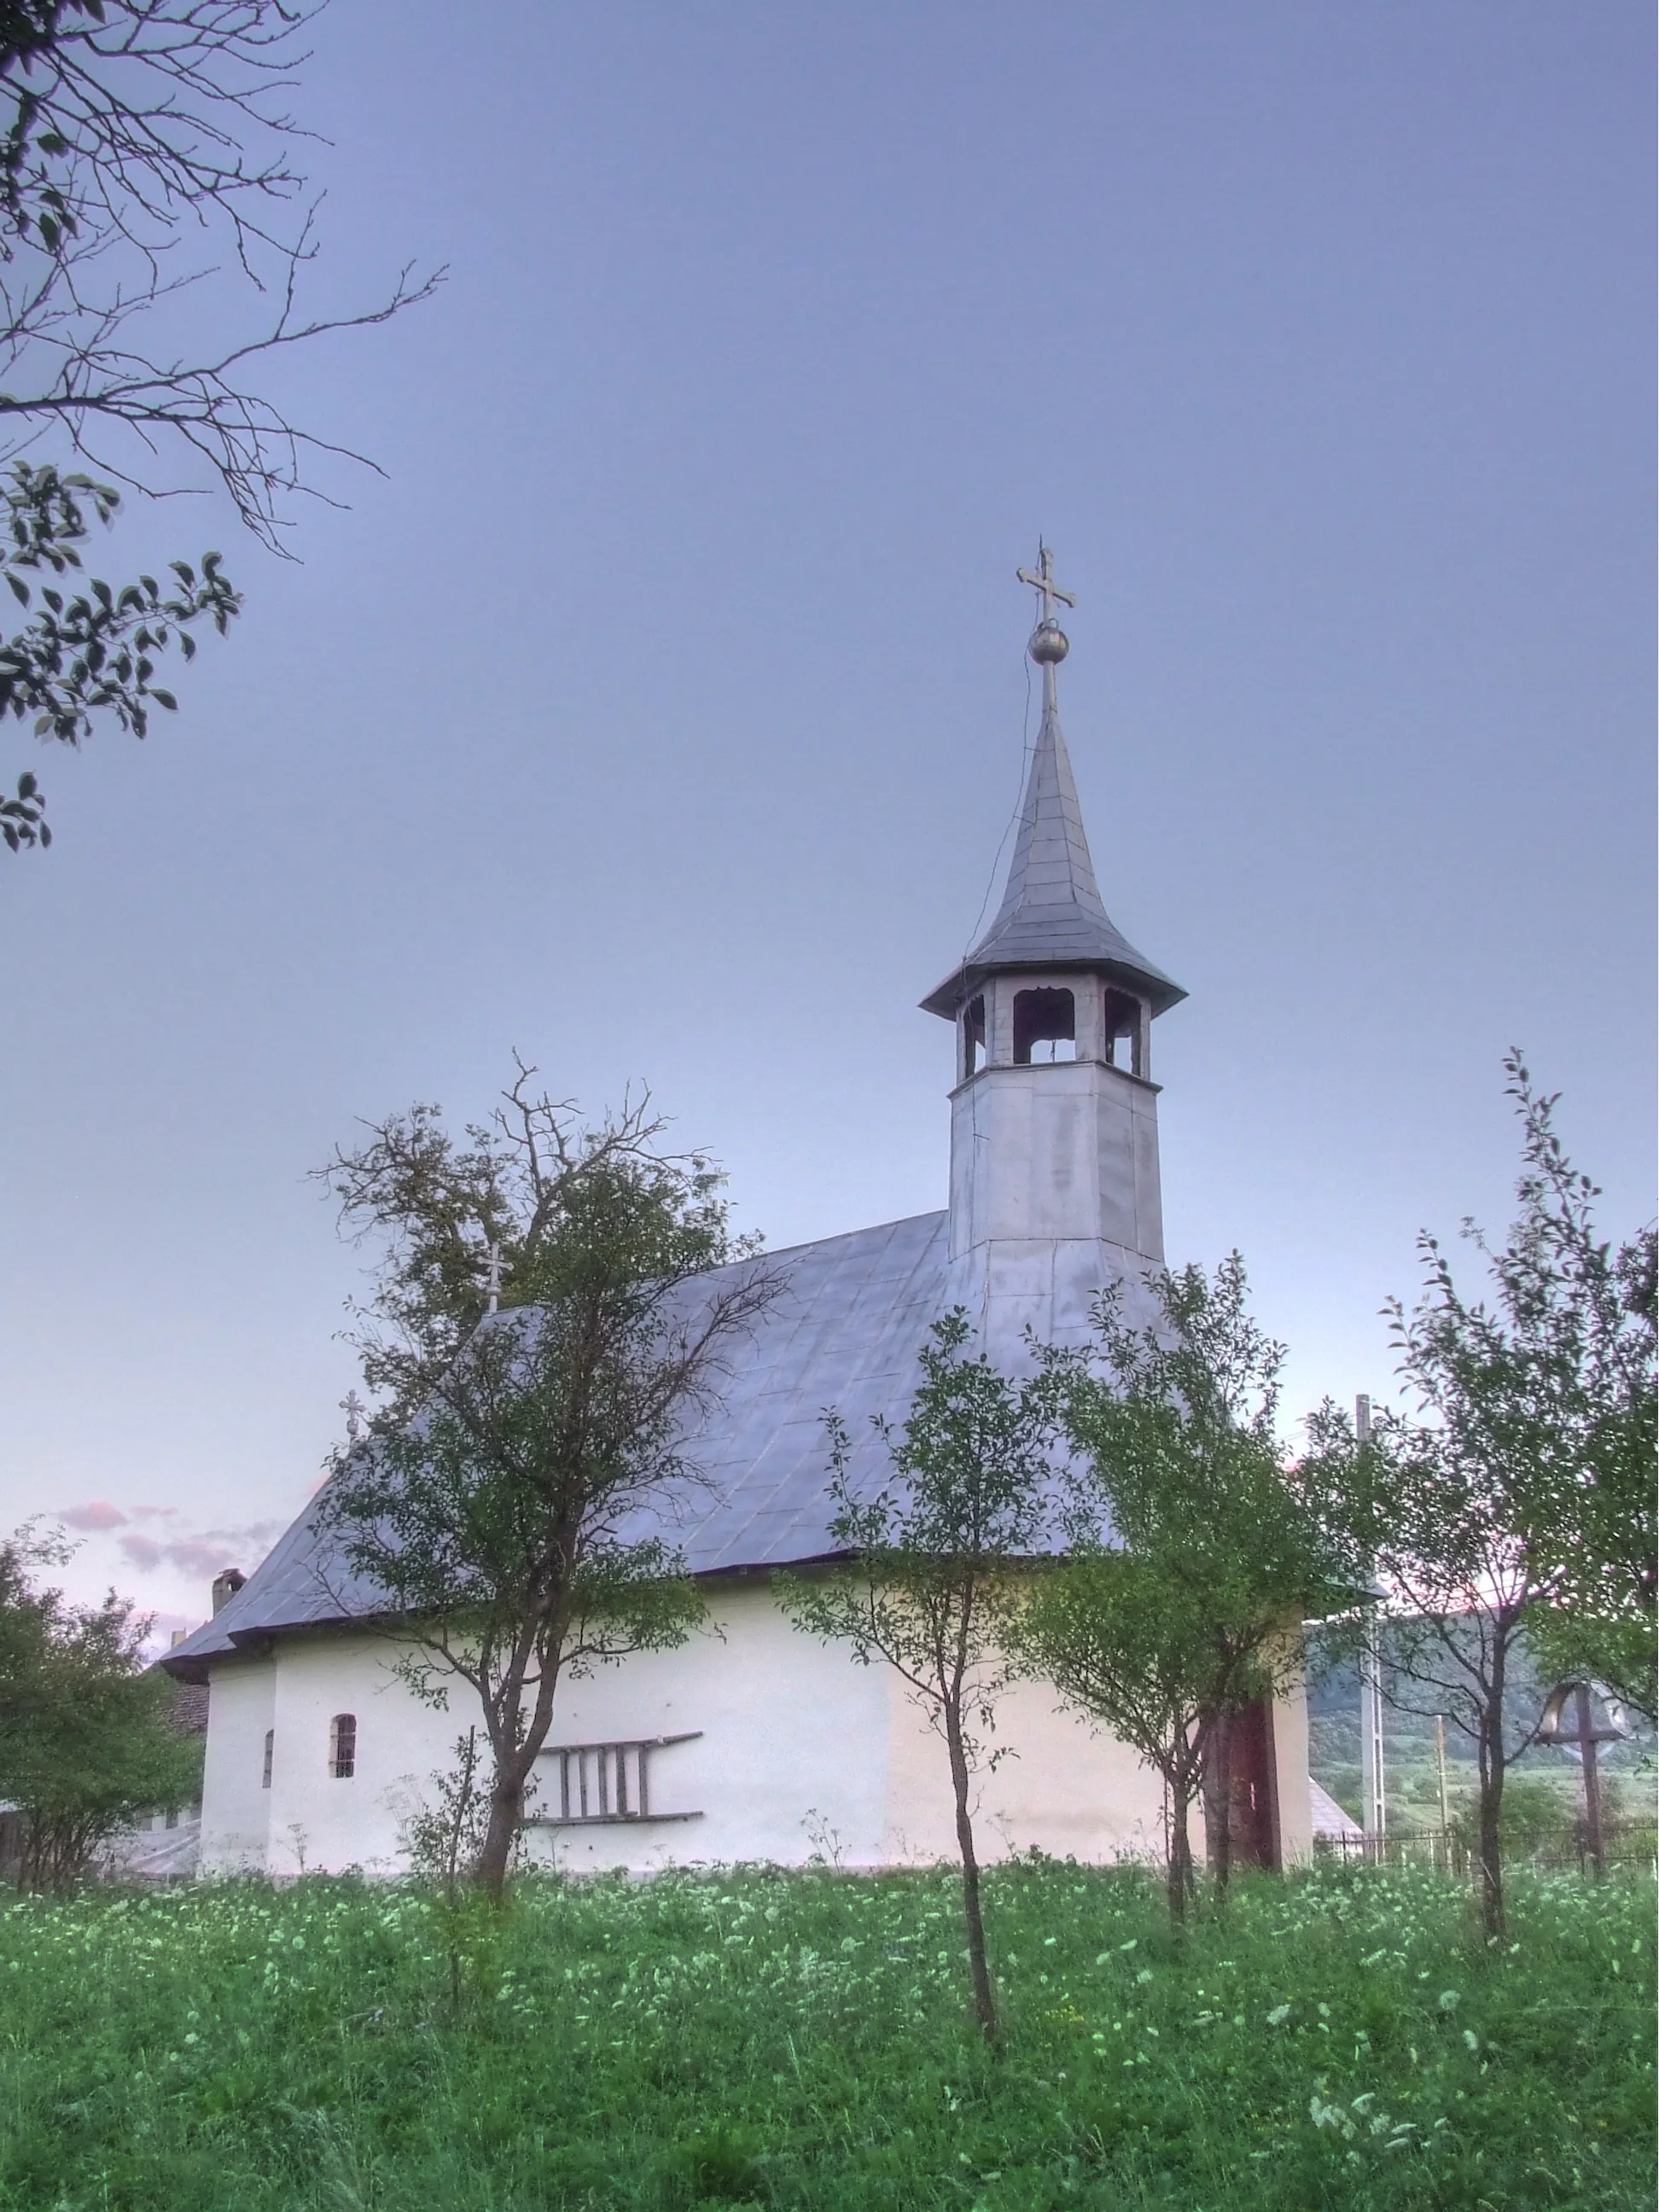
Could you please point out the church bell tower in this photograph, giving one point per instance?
(1053, 1119)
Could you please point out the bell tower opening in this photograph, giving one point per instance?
(1045, 1027)
(973, 1037)
(1123, 1030)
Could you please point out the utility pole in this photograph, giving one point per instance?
(1372, 1789)
(1440, 1762)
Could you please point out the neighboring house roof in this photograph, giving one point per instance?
(1052, 913)
(844, 1333)
(1328, 1817)
(187, 1711)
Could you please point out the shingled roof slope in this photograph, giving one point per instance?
(844, 1332)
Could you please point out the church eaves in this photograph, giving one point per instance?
(1052, 915)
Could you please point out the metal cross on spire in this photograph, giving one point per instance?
(1048, 645)
(354, 1409)
(489, 1275)
(1043, 581)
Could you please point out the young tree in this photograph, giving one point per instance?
(145, 173)
(1518, 1495)
(1127, 1640)
(1600, 1626)
(86, 1743)
(1197, 1551)
(494, 1509)
(937, 1560)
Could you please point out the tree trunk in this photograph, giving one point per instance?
(1180, 1873)
(985, 2011)
(1488, 1849)
(1218, 1796)
(506, 1818)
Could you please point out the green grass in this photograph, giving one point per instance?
(1340, 2039)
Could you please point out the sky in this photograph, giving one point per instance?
(658, 713)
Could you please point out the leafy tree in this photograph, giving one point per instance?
(86, 1745)
(494, 1508)
(145, 174)
(1514, 1503)
(1599, 1626)
(1196, 1552)
(937, 1560)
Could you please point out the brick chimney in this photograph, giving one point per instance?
(226, 1585)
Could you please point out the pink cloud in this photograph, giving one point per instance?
(193, 1555)
(99, 1514)
(204, 1553)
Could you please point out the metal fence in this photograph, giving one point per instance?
(1633, 1844)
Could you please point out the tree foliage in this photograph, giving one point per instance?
(153, 235)
(938, 1558)
(86, 1745)
(97, 650)
(1601, 1624)
(1196, 1550)
(499, 1512)
(1513, 1501)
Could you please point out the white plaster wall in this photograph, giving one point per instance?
(1062, 1787)
(792, 1757)
(320, 1821)
(798, 1750)
(235, 1810)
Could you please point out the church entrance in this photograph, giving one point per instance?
(1251, 1810)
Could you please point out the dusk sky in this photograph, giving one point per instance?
(660, 712)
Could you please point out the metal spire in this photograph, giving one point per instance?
(1052, 913)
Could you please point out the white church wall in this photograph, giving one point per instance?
(235, 1808)
(792, 1751)
(1063, 1788)
(787, 1752)
(790, 1758)
(325, 1823)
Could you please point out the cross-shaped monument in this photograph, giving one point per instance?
(354, 1409)
(1582, 1737)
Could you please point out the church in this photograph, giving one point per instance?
(754, 1741)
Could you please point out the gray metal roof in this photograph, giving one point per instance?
(843, 1333)
(1052, 915)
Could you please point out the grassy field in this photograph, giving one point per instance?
(1340, 2040)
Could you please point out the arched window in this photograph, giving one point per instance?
(343, 1747)
(1045, 1026)
(270, 1752)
